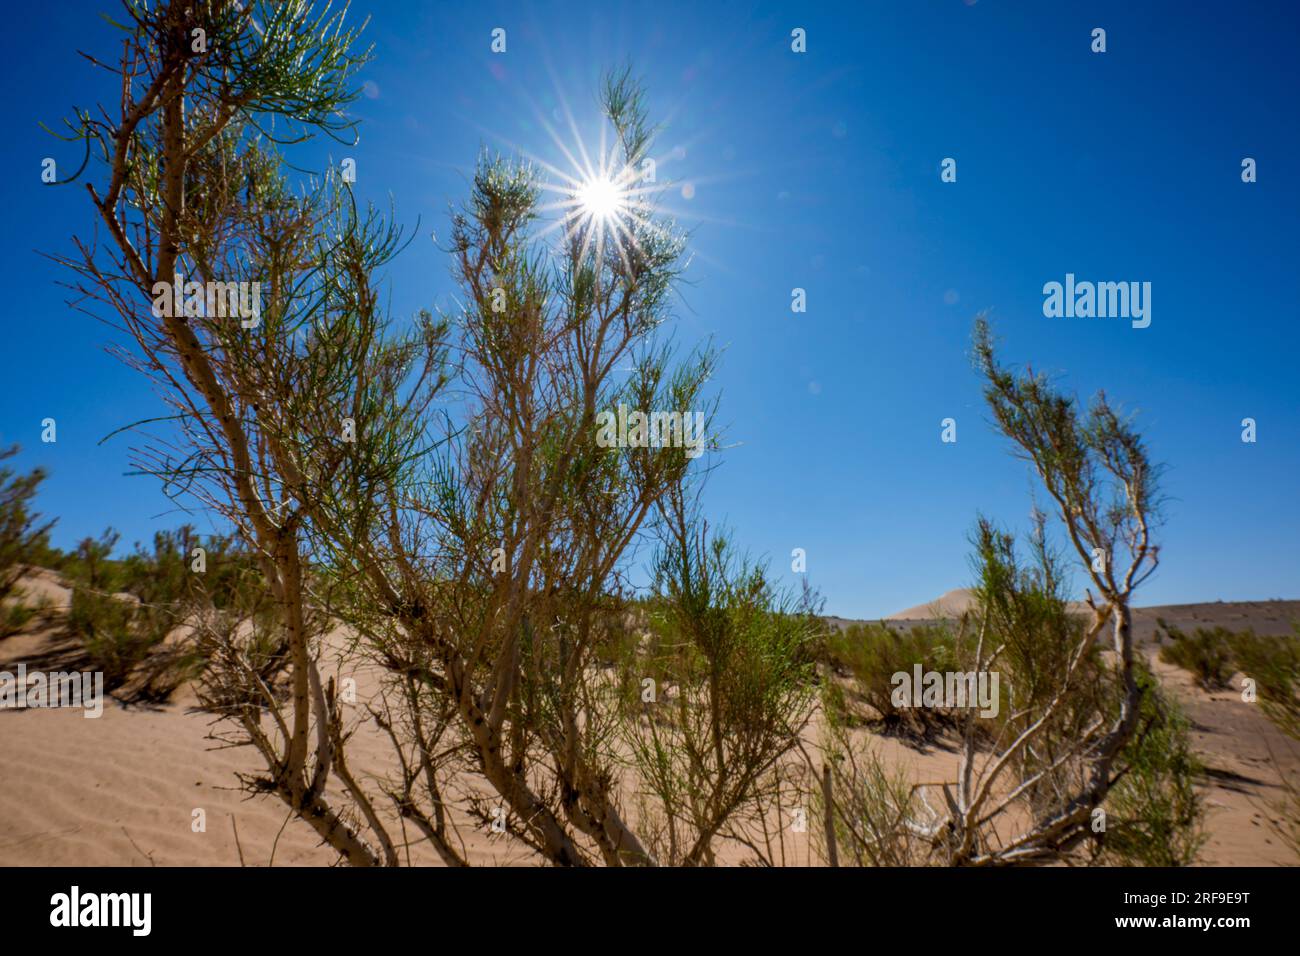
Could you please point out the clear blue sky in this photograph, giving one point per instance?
(819, 171)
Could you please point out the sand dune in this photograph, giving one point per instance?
(950, 604)
(1263, 617)
(122, 789)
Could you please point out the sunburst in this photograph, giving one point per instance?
(601, 199)
(603, 205)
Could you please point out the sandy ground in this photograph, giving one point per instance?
(124, 789)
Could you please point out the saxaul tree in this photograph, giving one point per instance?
(1032, 783)
(438, 486)
(494, 572)
(191, 202)
(1055, 754)
(1103, 487)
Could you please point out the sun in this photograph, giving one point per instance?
(601, 210)
(606, 198)
(601, 199)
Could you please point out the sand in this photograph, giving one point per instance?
(124, 789)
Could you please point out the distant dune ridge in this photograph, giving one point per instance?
(1263, 617)
(124, 789)
(950, 604)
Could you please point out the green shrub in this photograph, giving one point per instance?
(231, 642)
(1154, 817)
(117, 633)
(872, 801)
(14, 616)
(123, 637)
(1207, 654)
(732, 646)
(870, 655)
(23, 539)
(1273, 663)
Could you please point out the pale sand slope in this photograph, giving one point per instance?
(120, 790)
(950, 604)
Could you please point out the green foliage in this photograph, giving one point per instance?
(161, 574)
(1154, 816)
(245, 640)
(24, 540)
(15, 615)
(1213, 655)
(123, 609)
(1093, 463)
(1051, 673)
(1023, 604)
(1207, 653)
(92, 563)
(1274, 664)
(117, 632)
(870, 654)
(735, 678)
(872, 802)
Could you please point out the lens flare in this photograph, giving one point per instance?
(601, 198)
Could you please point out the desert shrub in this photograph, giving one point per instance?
(24, 539)
(116, 632)
(123, 609)
(163, 573)
(241, 660)
(870, 816)
(870, 655)
(491, 670)
(21, 531)
(1154, 816)
(734, 648)
(1206, 653)
(1032, 767)
(1033, 641)
(1273, 663)
(16, 615)
(1105, 493)
(92, 564)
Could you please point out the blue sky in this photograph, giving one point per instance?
(821, 171)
